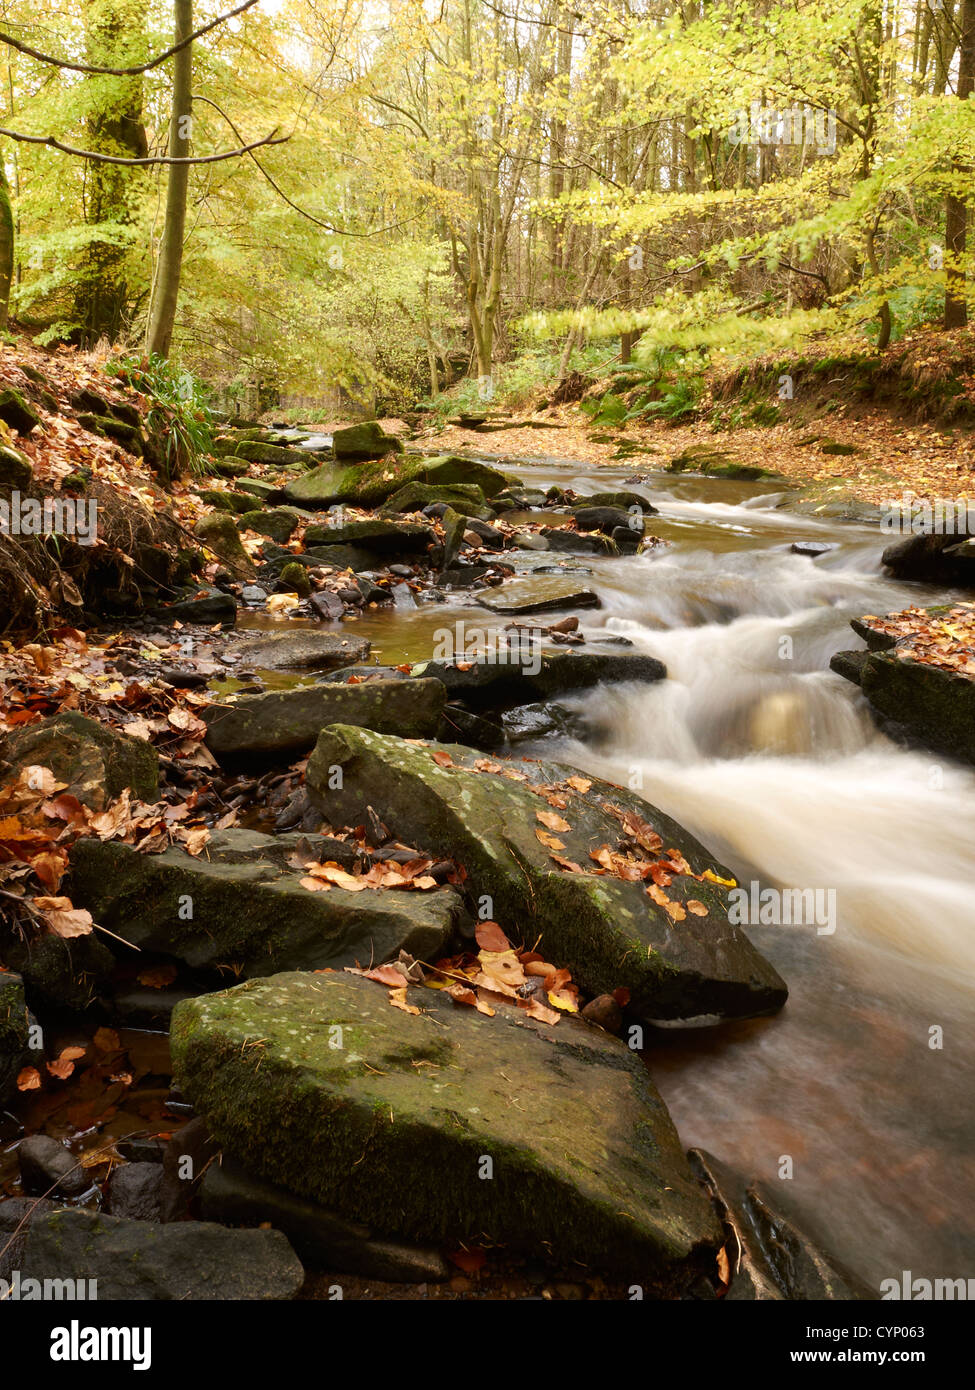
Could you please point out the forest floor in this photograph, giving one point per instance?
(892, 457)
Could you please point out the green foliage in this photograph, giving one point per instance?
(178, 420)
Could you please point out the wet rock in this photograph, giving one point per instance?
(371, 483)
(293, 579)
(849, 665)
(327, 606)
(302, 650)
(185, 1160)
(69, 973)
(95, 761)
(574, 543)
(937, 559)
(604, 1012)
(542, 594)
(540, 721)
(16, 472)
(527, 675)
(289, 721)
(606, 519)
(378, 536)
(466, 498)
(813, 549)
(607, 931)
(188, 1260)
(279, 524)
(47, 1168)
(13, 1032)
(529, 540)
(340, 557)
(254, 594)
(366, 441)
(597, 1173)
(206, 606)
(322, 1238)
(454, 524)
(460, 725)
(16, 1214)
(935, 707)
(621, 498)
(775, 1260)
(219, 533)
(134, 1191)
(249, 909)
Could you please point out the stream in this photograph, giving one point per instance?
(774, 762)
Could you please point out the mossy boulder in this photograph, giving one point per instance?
(16, 412)
(316, 1084)
(129, 436)
(454, 526)
(95, 761)
(383, 537)
(219, 533)
(466, 498)
(365, 441)
(281, 454)
(286, 721)
(243, 906)
(16, 472)
(278, 523)
(13, 1032)
(236, 502)
(609, 932)
(72, 973)
(370, 483)
(293, 579)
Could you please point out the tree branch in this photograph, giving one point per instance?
(98, 158)
(65, 63)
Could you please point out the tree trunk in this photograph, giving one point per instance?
(169, 269)
(6, 248)
(114, 36)
(956, 207)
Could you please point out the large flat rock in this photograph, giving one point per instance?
(609, 932)
(242, 904)
(289, 721)
(544, 593)
(394, 1125)
(523, 677)
(195, 1260)
(300, 650)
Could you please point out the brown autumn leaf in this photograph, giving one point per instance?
(397, 997)
(107, 1040)
(549, 841)
(673, 909)
(157, 976)
(490, 937)
(534, 1008)
(382, 974)
(63, 919)
(697, 907)
(552, 821)
(29, 1079)
(50, 866)
(578, 784)
(641, 831)
(568, 864)
(442, 759)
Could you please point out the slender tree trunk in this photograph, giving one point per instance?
(6, 248)
(169, 269)
(956, 206)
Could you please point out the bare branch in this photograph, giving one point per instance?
(65, 63)
(99, 158)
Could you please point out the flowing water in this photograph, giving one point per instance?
(774, 762)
